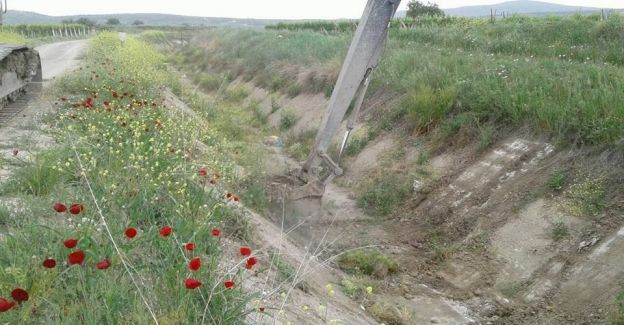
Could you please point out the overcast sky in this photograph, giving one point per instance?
(285, 9)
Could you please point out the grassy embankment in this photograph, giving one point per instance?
(459, 81)
(131, 162)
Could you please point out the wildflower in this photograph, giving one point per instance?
(166, 231)
(104, 264)
(235, 199)
(369, 290)
(245, 251)
(49, 263)
(190, 247)
(88, 103)
(63, 99)
(203, 172)
(228, 195)
(195, 264)
(191, 283)
(76, 257)
(251, 262)
(261, 309)
(106, 103)
(115, 95)
(5, 305)
(130, 232)
(216, 232)
(76, 208)
(60, 208)
(70, 243)
(229, 284)
(19, 294)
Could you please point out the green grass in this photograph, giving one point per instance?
(556, 181)
(5, 215)
(383, 196)
(367, 262)
(287, 120)
(136, 160)
(561, 76)
(587, 197)
(618, 318)
(559, 231)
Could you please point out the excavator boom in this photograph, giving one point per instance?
(362, 58)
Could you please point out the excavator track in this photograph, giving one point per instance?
(20, 77)
(14, 108)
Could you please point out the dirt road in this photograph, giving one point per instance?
(57, 58)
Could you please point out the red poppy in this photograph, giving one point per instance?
(216, 232)
(245, 251)
(166, 231)
(203, 172)
(115, 95)
(6, 305)
(76, 257)
(251, 262)
(235, 199)
(191, 283)
(195, 264)
(131, 232)
(60, 208)
(212, 181)
(88, 103)
(228, 195)
(63, 99)
(19, 294)
(229, 284)
(106, 103)
(49, 263)
(262, 309)
(217, 175)
(190, 247)
(76, 208)
(70, 243)
(104, 264)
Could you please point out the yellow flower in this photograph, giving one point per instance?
(369, 290)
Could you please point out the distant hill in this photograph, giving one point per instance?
(524, 7)
(26, 17)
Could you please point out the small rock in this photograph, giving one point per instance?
(435, 320)
(588, 243)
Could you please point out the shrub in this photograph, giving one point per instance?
(559, 231)
(383, 196)
(367, 262)
(556, 181)
(587, 198)
(287, 120)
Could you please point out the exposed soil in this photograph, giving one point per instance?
(475, 243)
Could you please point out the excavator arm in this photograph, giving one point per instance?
(362, 58)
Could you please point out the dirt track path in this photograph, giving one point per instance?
(24, 133)
(57, 58)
